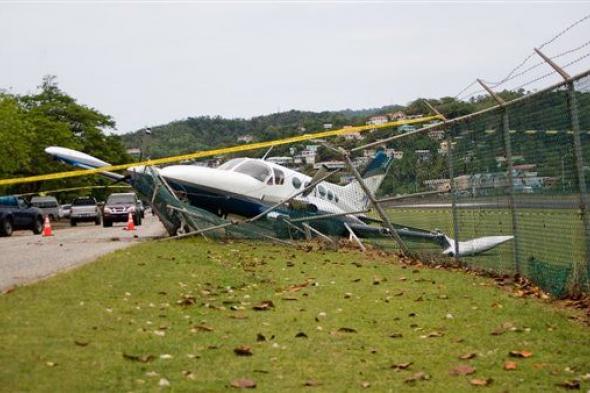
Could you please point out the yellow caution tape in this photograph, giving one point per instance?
(215, 152)
(71, 189)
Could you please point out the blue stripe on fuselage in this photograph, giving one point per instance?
(218, 201)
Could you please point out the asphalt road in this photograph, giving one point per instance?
(25, 258)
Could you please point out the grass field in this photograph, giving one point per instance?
(169, 316)
(549, 239)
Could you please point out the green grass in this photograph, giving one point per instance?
(552, 238)
(118, 304)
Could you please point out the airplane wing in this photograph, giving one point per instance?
(449, 245)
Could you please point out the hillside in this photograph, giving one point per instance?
(204, 132)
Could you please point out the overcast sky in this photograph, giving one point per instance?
(150, 63)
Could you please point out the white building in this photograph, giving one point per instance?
(377, 120)
(285, 161)
(331, 165)
(423, 155)
(309, 156)
(245, 138)
(353, 136)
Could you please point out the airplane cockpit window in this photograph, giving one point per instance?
(226, 166)
(336, 198)
(279, 176)
(296, 182)
(322, 191)
(330, 195)
(255, 169)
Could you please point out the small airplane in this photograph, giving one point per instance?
(249, 187)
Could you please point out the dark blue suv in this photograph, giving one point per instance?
(16, 213)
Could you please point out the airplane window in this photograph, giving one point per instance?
(296, 182)
(322, 191)
(226, 166)
(336, 198)
(279, 176)
(255, 169)
(330, 195)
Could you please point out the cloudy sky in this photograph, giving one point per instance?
(147, 63)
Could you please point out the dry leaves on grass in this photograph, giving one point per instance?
(311, 383)
(243, 350)
(572, 384)
(260, 337)
(480, 381)
(187, 300)
(467, 356)
(139, 358)
(264, 305)
(419, 376)
(243, 383)
(520, 354)
(201, 328)
(509, 366)
(463, 369)
(347, 330)
(401, 366)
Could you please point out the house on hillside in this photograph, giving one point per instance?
(395, 116)
(284, 161)
(377, 120)
(330, 165)
(245, 138)
(423, 155)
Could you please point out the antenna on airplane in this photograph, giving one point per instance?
(267, 152)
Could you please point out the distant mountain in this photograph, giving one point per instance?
(204, 132)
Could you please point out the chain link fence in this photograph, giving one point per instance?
(503, 190)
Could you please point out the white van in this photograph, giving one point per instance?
(48, 205)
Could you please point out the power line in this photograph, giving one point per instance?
(513, 73)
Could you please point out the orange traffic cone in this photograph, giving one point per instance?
(47, 227)
(130, 224)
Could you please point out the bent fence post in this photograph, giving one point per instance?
(404, 249)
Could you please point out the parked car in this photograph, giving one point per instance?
(48, 206)
(65, 210)
(117, 209)
(16, 213)
(84, 209)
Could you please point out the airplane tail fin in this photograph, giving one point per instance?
(373, 176)
(80, 160)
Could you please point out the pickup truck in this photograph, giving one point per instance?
(119, 206)
(84, 209)
(16, 213)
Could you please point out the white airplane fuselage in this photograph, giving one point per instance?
(249, 187)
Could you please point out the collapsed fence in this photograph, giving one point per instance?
(515, 170)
